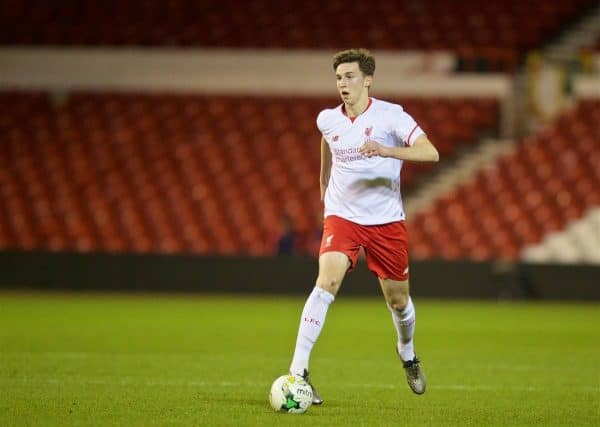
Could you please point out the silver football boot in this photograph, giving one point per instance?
(316, 399)
(414, 374)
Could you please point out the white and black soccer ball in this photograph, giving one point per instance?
(290, 394)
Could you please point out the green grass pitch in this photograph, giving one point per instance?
(144, 360)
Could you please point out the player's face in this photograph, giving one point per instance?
(352, 84)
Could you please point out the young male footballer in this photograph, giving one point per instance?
(363, 146)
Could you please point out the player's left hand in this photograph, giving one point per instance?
(372, 148)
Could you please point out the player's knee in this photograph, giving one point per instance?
(398, 302)
(329, 284)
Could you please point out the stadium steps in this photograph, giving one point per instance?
(463, 170)
(583, 35)
(549, 180)
(578, 243)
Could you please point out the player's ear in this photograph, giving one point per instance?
(368, 81)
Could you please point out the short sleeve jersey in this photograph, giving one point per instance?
(360, 189)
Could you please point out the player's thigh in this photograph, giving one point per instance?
(387, 251)
(332, 269)
(396, 292)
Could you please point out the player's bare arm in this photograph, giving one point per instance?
(325, 167)
(421, 151)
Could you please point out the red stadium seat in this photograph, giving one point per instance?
(174, 173)
(485, 35)
(550, 180)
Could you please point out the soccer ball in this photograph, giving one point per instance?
(290, 394)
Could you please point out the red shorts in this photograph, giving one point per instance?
(386, 245)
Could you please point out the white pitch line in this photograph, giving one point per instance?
(91, 355)
(132, 381)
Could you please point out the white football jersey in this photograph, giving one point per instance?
(362, 190)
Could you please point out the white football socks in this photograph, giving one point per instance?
(404, 322)
(311, 323)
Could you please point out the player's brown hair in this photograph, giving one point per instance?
(366, 61)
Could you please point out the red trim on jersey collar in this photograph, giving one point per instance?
(354, 118)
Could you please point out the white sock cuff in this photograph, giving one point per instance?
(406, 312)
(323, 295)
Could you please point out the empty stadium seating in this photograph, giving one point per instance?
(179, 173)
(486, 35)
(551, 179)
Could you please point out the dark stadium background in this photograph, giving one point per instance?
(153, 180)
(160, 213)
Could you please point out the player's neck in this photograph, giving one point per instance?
(357, 108)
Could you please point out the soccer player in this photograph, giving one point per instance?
(364, 143)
